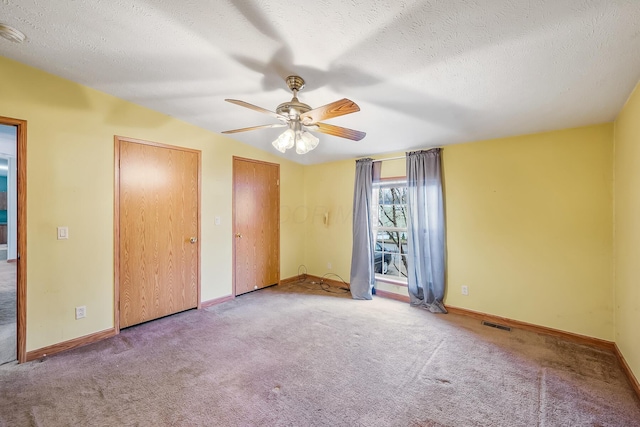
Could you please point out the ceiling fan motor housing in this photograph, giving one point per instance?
(293, 108)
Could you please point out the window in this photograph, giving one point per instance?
(390, 229)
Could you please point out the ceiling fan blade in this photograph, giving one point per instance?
(276, 125)
(256, 108)
(329, 111)
(355, 135)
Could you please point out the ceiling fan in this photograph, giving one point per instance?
(300, 118)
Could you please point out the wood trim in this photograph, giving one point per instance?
(22, 241)
(215, 301)
(11, 121)
(155, 144)
(392, 295)
(263, 162)
(233, 225)
(116, 218)
(199, 243)
(633, 381)
(116, 235)
(278, 230)
(21, 280)
(70, 344)
(580, 339)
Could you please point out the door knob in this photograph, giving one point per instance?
(193, 239)
(238, 235)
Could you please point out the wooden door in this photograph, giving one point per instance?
(158, 219)
(256, 224)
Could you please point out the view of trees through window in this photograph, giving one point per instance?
(390, 229)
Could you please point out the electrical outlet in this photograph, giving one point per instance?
(81, 312)
(465, 290)
(328, 266)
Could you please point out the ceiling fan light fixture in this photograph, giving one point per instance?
(285, 141)
(305, 142)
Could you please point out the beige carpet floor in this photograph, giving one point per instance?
(290, 356)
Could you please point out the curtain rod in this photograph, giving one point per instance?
(398, 157)
(390, 158)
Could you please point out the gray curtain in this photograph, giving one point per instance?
(362, 276)
(425, 224)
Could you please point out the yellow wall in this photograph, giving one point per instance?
(70, 178)
(627, 231)
(529, 225)
(329, 188)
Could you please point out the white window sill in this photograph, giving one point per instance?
(385, 279)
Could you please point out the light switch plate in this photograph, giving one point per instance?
(216, 220)
(63, 233)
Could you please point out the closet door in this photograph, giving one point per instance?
(256, 224)
(158, 230)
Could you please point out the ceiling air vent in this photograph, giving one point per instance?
(497, 326)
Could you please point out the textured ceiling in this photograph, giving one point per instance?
(425, 73)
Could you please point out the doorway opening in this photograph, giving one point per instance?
(8, 243)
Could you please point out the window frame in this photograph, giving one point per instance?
(400, 181)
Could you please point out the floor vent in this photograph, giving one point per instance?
(497, 326)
